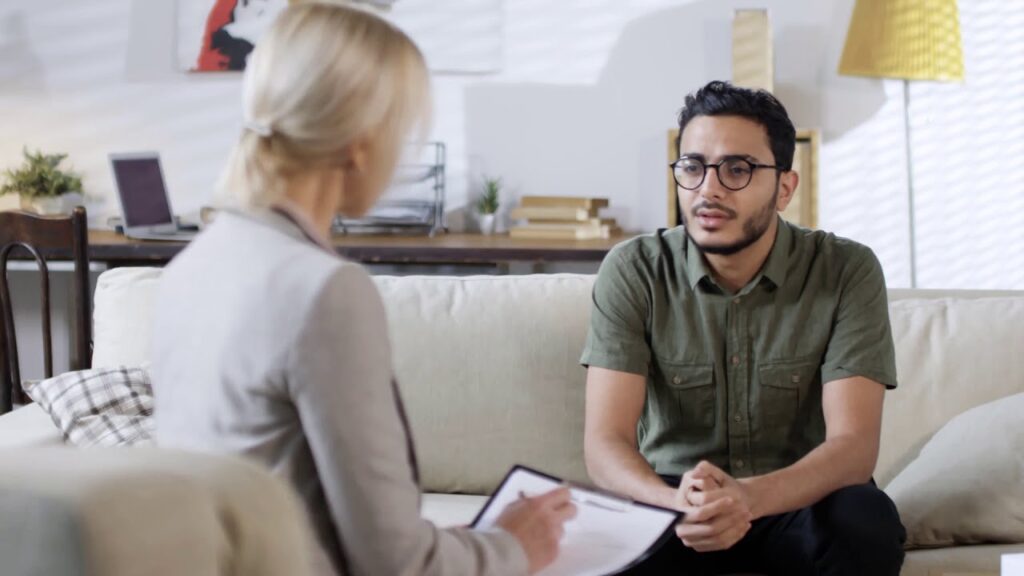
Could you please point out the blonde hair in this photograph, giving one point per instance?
(324, 74)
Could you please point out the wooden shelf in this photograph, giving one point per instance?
(115, 249)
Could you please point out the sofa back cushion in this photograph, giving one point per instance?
(489, 368)
(122, 323)
(954, 351)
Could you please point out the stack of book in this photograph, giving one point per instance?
(562, 218)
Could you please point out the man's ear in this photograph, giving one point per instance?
(787, 188)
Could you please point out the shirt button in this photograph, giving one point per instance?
(677, 380)
(738, 418)
(736, 300)
(795, 378)
(739, 464)
(735, 360)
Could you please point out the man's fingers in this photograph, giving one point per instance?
(723, 541)
(703, 514)
(721, 535)
(713, 528)
(706, 469)
(705, 484)
(707, 497)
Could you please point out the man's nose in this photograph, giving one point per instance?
(711, 188)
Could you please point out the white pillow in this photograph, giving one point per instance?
(967, 485)
(99, 407)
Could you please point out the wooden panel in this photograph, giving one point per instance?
(753, 63)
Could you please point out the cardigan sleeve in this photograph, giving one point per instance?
(340, 379)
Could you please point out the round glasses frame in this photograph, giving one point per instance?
(746, 167)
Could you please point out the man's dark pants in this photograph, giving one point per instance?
(855, 531)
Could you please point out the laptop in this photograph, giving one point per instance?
(144, 203)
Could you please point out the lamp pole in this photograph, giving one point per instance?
(910, 183)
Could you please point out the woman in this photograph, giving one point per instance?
(269, 345)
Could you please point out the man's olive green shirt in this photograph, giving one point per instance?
(737, 379)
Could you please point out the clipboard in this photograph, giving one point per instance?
(610, 535)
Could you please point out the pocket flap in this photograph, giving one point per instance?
(796, 373)
(686, 376)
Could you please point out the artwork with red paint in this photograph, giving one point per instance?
(456, 36)
(219, 35)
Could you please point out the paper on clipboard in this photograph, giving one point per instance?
(608, 535)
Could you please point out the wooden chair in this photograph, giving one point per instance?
(64, 238)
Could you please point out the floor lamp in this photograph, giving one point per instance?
(908, 40)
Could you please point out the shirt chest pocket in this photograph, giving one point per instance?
(784, 389)
(691, 388)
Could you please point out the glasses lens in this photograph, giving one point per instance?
(689, 173)
(735, 173)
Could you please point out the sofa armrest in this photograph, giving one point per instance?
(68, 511)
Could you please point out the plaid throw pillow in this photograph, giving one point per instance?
(99, 407)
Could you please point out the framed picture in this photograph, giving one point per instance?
(456, 36)
(802, 210)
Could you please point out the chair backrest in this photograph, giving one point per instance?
(42, 238)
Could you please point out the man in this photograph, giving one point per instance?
(737, 365)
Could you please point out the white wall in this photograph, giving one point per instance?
(582, 105)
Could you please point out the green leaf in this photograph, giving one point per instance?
(489, 199)
(40, 176)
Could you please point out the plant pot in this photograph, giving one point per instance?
(47, 205)
(487, 223)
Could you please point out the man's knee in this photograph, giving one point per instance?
(862, 524)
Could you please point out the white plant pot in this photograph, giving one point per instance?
(487, 223)
(47, 206)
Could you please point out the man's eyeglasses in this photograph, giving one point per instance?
(734, 173)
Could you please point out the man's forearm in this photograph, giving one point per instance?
(838, 463)
(619, 467)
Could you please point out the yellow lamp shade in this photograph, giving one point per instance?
(908, 39)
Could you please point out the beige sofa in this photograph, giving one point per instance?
(489, 369)
(128, 511)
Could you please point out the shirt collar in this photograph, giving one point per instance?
(290, 211)
(774, 268)
(696, 267)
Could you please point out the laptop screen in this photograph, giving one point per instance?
(143, 196)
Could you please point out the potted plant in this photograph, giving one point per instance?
(487, 205)
(41, 183)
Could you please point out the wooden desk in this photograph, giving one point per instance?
(116, 250)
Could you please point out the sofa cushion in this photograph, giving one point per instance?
(99, 407)
(122, 322)
(28, 426)
(489, 368)
(952, 354)
(967, 486)
(958, 560)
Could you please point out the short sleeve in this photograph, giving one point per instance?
(618, 319)
(861, 343)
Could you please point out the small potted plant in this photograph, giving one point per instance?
(487, 205)
(41, 183)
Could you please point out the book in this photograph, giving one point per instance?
(609, 534)
(588, 222)
(563, 231)
(563, 202)
(553, 213)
